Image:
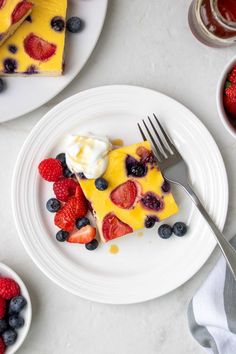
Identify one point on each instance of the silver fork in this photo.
(175, 170)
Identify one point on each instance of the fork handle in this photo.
(225, 247)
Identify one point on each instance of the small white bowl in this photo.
(219, 97)
(7, 272)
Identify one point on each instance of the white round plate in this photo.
(7, 272)
(145, 267)
(25, 94)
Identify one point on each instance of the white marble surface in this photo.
(145, 43)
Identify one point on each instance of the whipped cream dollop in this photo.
(87, 154)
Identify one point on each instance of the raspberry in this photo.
(2, 346)
(64, 189)
(50, 169)
(8, 288)
(2, 308)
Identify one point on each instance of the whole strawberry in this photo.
(50, 169)
(2, 308)
(64, 189)
(8, 288)
(2, 346)
(232, 76)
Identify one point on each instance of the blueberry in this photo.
(10, 65)
(152, 202)
(180, 229)
(2, 86)
(32, 69)
(165, 231)
(91, 246)
(62, 158)
(138, 170)
(12, 48)
(81, 222)
(166, 187)
(9, 337)
(67, 173)
(53, 205)
(16, 321)
(17, 304)
(62, 235)
(74, 24)
(58, 24)
(101, 184)
(81, 175)
(150, 221)
(3, 326)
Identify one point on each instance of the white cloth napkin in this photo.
(212, 311)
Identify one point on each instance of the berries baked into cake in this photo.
(131, 194)
(37, 47)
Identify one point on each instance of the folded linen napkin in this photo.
(212, 311)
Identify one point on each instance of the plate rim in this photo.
(14, 182)
(75, 74)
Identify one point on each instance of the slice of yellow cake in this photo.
(12, 14)
(136, 196)
(37, 47)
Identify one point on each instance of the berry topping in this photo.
(2, 3)
(180, 229)
(12, 48)
(3, 326)
(17, 304)
(91, 246)
(165, 231)
(124, 196)
(21, 9)
(166, 187)
(151, 201)
(135, 168)
(32, 69)
(113, 227)
(64, 188)
(145, 155)
(85, 235)
(62, 158)
(150, 221)
(2, 346)
(58, 24)
(2, 308)
(101, 184)
(9, 65)
(232, 76)
(8, 288)
(62, 235)
(230, 99)
(16, 321)
(39, 49)
(74, 24)
(9, 337)
(50, 170)
(53, 205)
(81, 222)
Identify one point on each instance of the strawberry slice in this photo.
(39, 49)
(65, 218)
(124, 195)
(21, 9)
(85, 235)
(2, 3)
(113, 227)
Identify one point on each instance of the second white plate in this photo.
(145, 267)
